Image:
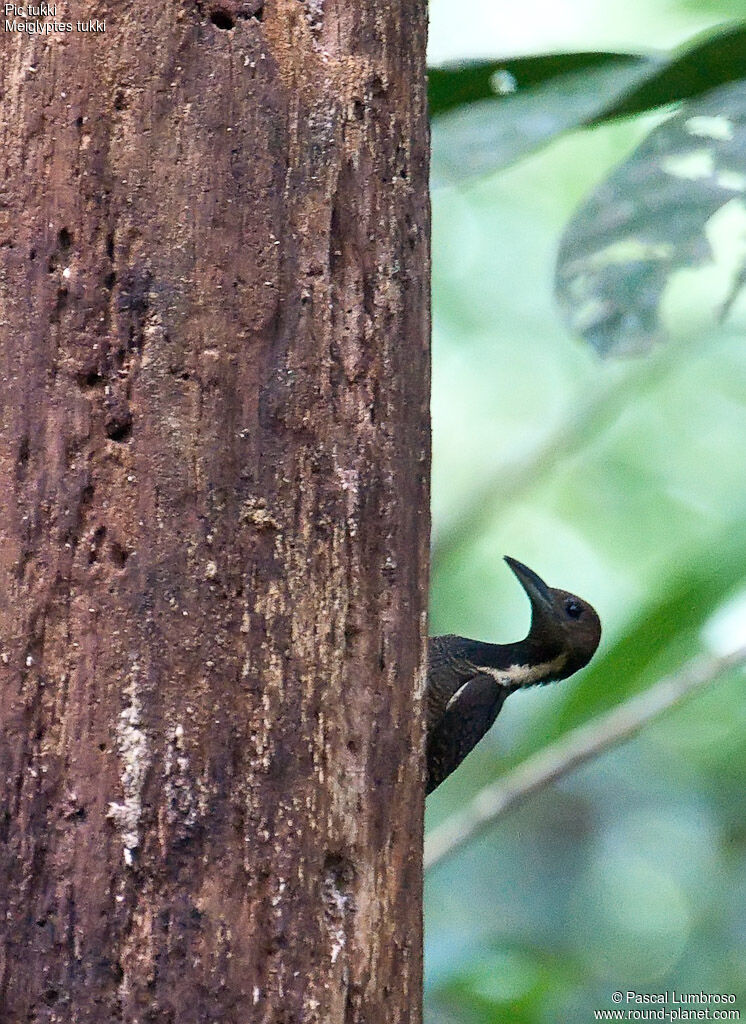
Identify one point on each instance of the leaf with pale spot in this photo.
(652, 217)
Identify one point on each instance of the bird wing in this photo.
(468, 715)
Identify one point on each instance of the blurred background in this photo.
(621, 479)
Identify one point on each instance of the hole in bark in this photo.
(401, 162)
(276, 943)
(79, 120)
(411, 232)
(51, 995)
(350, 1013)
(119, 555)
(59, 305)
(335, 243)
(352, 746)
(369, 296)
(377, 88)
(222, 20)
(338, 871)
(110, 245)
(120, 428)
(120, 100)
(32, 255)
(23, 452)
(358, 110)
(22, 564)
(65, 239)
(89, 379)
(352, 634)
(102, 747)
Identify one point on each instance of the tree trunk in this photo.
(213, 513)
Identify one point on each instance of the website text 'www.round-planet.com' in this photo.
(670, 1005)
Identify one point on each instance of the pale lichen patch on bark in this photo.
(187, 796)
(255, 512)
(134, 751)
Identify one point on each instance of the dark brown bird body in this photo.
(468, 681)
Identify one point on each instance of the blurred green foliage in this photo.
(624, 481)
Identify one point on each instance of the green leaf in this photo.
(454, 85)
(697, 68)
(488, 114)
(653, 217)
(499, 982)
(481, 137)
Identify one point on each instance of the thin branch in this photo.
(576, 747)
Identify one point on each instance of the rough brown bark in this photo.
(213, 513)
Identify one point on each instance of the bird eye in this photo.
(573, 609)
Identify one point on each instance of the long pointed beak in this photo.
(535, 587)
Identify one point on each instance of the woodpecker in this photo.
(468, 681)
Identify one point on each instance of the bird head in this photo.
(561, 623)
